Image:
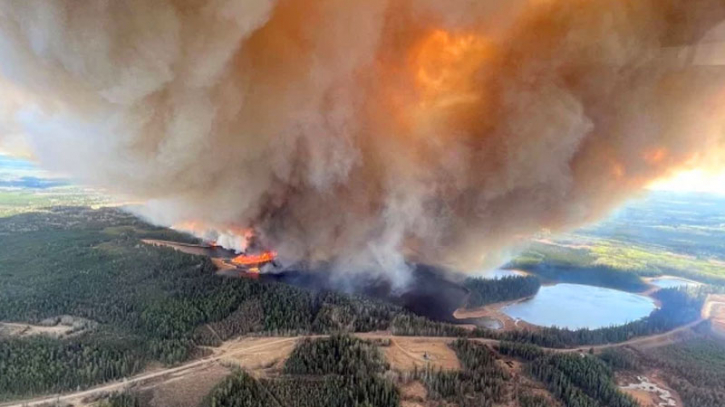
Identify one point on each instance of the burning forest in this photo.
(364, 135)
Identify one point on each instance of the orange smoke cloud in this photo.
(445, 66)
(365, 134)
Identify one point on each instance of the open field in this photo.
(650, 390)
(249, 349)
(407, 353)
(714, 309)
(265, 357)
(187, 390)
(665, 233)
(24, 330)
(260, 353)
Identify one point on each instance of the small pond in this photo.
(577, 306)
(671, 282)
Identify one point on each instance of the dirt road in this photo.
(144, 377)
(652, 340)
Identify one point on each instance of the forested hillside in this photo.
(488, 291)
(340, 371)
(154, 304)
(695, 368)
(151, 303)
(576, 380)
(481, 382)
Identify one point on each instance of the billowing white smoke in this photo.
(362, 133)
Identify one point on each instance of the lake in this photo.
(672, 282)
(577, 306)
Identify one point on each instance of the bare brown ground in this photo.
(265, 353)
(493, 311)
(647, 398)
(644, 398)
(263, 358)
(405, 353)
(25, 330)
(715, 310)
(188, 390)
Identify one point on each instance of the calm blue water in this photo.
(671, 282)
(577, 306)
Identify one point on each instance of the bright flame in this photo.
(254, 259)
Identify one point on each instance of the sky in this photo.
(696, 180)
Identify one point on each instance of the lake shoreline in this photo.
(497, 311)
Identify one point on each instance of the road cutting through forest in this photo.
(238, 349)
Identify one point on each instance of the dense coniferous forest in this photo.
(40, 364)
(695, 368)
(577, 380)
(698, 370)
(562, 271)
(338, 371)
(480, 382)
(156, 304)
(621, 359)
(488, 291)
(534, 400)
(91, 264)
(580, 380)
(524, 351)
(240, 390)
(339, 354)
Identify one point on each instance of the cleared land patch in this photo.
(266, 353)
(405, 353)
(650, 391)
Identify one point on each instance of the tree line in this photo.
(162, 303)
(481, 382)
(679, 307)
(577, 380)
(338, 371)
(484, 291)
(695, 368)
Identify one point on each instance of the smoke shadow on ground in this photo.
(431, 292)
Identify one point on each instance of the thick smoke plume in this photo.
(364, 133)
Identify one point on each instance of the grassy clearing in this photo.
(14, 201)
